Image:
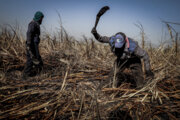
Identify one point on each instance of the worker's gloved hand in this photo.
(93, 31)
(149, 74)
(35, 61)
(29, 50)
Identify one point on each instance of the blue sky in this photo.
(78, 16)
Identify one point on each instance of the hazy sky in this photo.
(78, 16)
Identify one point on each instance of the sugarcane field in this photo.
(47, 75)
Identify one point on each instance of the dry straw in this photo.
(75, 82)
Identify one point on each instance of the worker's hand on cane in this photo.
(93, 31)
(149, 74)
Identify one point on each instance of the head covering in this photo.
(117, 41)
(38, 15)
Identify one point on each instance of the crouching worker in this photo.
(129, 55)
(34, 62)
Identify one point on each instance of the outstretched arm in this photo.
(103, 39)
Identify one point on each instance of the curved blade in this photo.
(102, 11)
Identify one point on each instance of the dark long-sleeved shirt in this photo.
(33, 39)
(139, 52)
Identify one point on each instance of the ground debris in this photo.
(75, 84)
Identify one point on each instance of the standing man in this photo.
(32, 47)
(129, 55)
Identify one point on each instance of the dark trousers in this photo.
(134, 66)
(30, 68)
